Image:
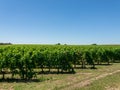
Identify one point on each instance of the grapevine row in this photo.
(24, 60)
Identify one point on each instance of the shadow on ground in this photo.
(19, 80)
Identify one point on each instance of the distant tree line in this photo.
(6, 43)
(60, 44)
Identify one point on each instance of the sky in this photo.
(60, 21)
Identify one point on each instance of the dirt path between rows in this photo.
(89, 81)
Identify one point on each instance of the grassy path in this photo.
(89, 81)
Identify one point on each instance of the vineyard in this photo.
(27, 61)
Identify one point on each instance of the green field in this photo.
(59, 67)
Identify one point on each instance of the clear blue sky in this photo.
(63, 21)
